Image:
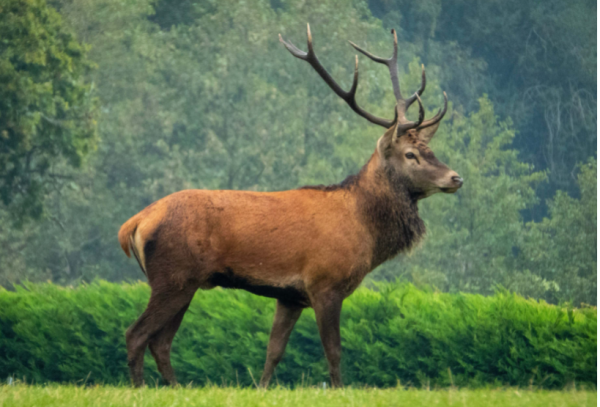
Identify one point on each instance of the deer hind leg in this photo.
(160, 346)
(165, 304)
(285, 319)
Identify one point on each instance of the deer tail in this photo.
(127, 240)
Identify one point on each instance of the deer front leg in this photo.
(328, 307)
(285, 319)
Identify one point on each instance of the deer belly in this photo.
(292, 294)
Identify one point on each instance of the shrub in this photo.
(392, 333)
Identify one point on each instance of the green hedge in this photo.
(397, 333)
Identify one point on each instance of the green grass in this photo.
(56, 395)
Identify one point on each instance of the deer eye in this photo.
(410, 156)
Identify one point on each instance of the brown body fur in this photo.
(307, 239)
(273, 238)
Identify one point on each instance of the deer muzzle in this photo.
(454, 184)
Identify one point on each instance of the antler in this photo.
(402, 104)
(350, 96)
(438, 116)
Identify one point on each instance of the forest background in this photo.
(107, 106)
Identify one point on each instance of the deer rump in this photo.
(273, 244)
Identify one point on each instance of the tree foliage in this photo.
(46, 108)
(202, 95)
(536, 60)
(561, 249)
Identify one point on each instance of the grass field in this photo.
(55, 395)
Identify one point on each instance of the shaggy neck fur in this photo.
(389, 210)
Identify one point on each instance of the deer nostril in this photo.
(457, 180)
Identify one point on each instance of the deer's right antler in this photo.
(349, 97)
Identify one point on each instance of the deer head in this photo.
(403, 149)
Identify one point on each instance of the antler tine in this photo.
(348, 97)
(404, 126)
(411, 99)
(439, 115)
(391, 63)
(293, 49)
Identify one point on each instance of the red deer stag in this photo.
(307, 247)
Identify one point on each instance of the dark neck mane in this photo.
(391, 213)
(386, 207)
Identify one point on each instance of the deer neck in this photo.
(388, 209)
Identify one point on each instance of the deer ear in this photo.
(427, 133)
(384, 145)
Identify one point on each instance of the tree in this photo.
(562, 248)
(47, 111)
(202, 95)
(536, 60)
